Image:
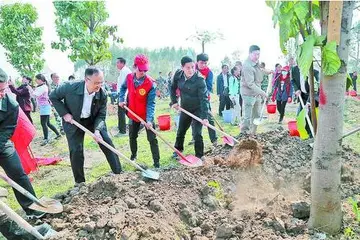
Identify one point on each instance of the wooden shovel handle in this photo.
(20, 189)
(156, 133)
(107, 145)
(216, 121)
(19, 220)
(208, 125)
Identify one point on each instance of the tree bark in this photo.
(325, 214)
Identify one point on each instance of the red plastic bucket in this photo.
(271, 108)
(353, 93)
(164, 122)
(293, 129)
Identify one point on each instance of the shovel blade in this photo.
(150, 174)
(229, 141)
(49, 206)
(191, 161)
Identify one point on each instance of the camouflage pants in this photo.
(58, 119)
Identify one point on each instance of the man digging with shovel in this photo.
(194, 98)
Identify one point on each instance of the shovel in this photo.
(20, 221)
(208, 125)
(226, 140)
(260, 120)
(147, 173)
(47, 205)
(190, 160)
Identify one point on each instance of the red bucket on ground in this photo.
(164, 122)
(353, 93)
(293, 129)
(271, 108)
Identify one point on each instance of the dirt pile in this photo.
(211, 202)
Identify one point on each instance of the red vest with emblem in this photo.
(137, 96)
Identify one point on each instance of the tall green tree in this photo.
(21, 38)
(296, 17)
(82, 30)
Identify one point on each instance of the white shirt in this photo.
(122, 76)
(225, 80)
(40, 90)
(86, 108)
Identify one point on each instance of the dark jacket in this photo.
(193, 92)
(22, 96)
(295, 73)
(220, 89)
(8, 119)
(69, 98)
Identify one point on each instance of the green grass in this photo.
(51, 180)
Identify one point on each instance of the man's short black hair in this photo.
(202, 57)
(276, 65)
(122, 60)
(71, 77)
(186, 60)
(90, 71)
(254, 48)
(224, 65)
(51, 75)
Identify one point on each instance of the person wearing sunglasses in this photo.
(141, 94)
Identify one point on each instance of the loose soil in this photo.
(257, 190)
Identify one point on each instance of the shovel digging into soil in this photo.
(147, 173)
(190, 160)
(226, 140)
(208, 125)
(44, 204)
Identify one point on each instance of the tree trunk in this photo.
(312, 98)
(326, 212)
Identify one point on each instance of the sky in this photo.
(161, 23)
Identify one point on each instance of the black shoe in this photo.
(133, 158)
(156, 165)
(33, 214)
(175, 155)
(44, 142)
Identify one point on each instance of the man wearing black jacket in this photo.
(85, 102)
(194, 98)
(222, 89)
(9, 159)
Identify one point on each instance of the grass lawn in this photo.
(51, 180)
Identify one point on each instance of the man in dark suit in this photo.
(222, 89)
(85, 102)
(9, 159)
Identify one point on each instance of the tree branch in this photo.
(81, 19)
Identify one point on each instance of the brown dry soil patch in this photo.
(237, 198)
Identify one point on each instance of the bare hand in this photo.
(122, 104)
(148, 125)
(205, 122)
(297, 93)
(68, 118)
(97, 137)
(175, 106)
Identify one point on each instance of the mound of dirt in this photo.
(211, 202)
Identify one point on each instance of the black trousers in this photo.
(241, 103)
(184, 123)
(28, 114)
(281, 108)
(134, 128)
(76, 148)
(45, 123)
(121, 120)
(10, 162)
(224, 102)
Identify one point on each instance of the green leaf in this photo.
(305, 55)
(301, 9)
(320, 40)
(284, 30)
(330, 59)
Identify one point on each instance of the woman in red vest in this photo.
(141, 96)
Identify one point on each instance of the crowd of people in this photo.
(242, 88)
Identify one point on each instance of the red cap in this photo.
(142, 62)
(286, 68)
